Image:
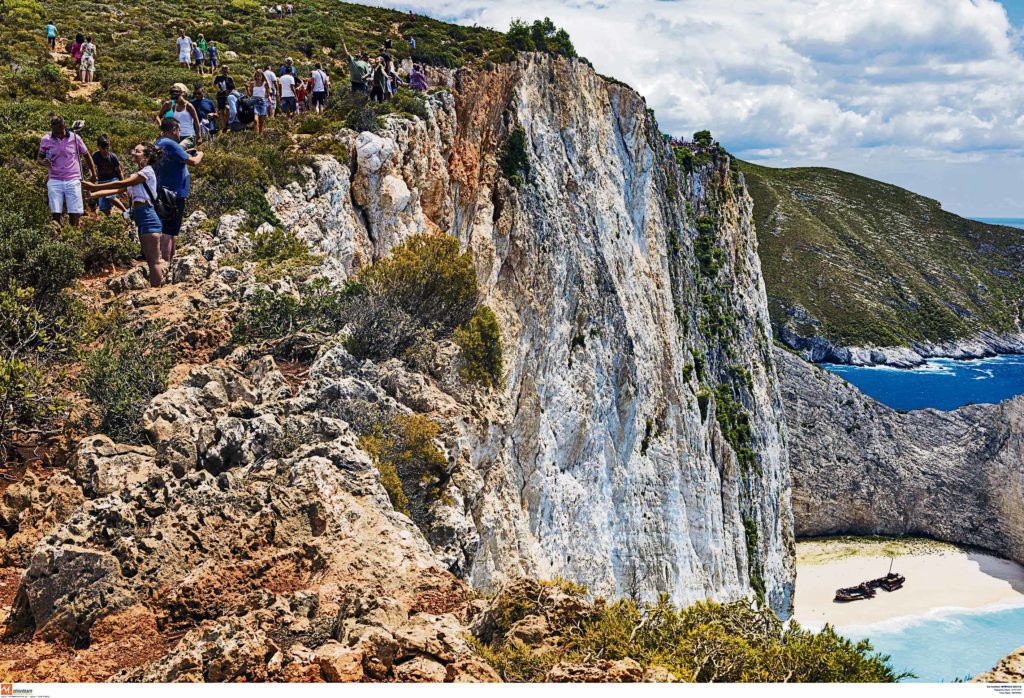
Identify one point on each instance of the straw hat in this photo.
(180, 87)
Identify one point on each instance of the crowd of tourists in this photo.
(154, 197)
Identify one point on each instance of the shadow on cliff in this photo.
(1006, 570)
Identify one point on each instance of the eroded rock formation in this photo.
(635, 446)
(860, 467)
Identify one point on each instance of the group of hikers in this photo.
(156, 193)
(155, 196)
(378, 76)
(82, 50)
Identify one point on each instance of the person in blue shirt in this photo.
(172, 173)
(211, 54)
(204, 110)
(51, 35)
(288, 68)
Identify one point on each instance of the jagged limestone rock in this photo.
(860, 467)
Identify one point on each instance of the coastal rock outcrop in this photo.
(635, 445)
(860, 467)
(623, 347)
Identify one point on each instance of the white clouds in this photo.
(804, 80)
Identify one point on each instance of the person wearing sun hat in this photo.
(178, 107)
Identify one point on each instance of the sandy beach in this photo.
(939, 576)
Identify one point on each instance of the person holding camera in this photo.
(60, 150)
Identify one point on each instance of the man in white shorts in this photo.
(61, 150)
(184, 49)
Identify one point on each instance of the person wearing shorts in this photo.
(320, 83)
(259, 91)
(141, 188)
(272, 84)
(184, 49)
(60, 150)
(288, 103)
(225, 85)
(172, 173)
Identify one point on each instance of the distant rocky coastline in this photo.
(820, 350)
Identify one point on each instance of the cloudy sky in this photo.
(927, 94)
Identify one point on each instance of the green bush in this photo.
(410, 464)
(480, 341)
(513, 160)
(34, 258)
(102, 241)
(706, 642)
(33, 338)
(429, 279)
(541, 36)
(121, 376)
(269, 315)
(278, 245)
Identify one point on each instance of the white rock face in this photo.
(604, 458)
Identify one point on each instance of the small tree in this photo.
(703, 138)
(480, 340)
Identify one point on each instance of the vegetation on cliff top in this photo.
(705, 642)
(871, 263)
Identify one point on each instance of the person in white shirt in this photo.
(321, 83)
(184, 49)
(142, 190)
(288, 103)
(272, 83)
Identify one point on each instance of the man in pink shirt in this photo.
(61, 150)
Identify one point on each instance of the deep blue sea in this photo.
(948, 644)
(944, 384)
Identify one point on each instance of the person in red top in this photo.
(61, 150)
(300, 96)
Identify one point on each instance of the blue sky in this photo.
(927, 94)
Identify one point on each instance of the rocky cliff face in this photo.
(602, 460)
(635, 446)
(860, 467)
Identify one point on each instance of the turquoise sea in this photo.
(943, 384)
(947, 644)
(1012, 222)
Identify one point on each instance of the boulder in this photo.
(103, 467)
(604, 671)
(340, 664)
(420, 670)
(471, 670)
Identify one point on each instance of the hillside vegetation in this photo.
(874, 264)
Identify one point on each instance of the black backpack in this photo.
(165, 202)
(246, 114)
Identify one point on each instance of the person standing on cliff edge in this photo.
(358, 68)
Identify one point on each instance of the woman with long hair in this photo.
(142, 190)
(259, 92)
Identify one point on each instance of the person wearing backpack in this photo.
(172, 174)
(141, 187)
(225, 85)
(240, 111)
